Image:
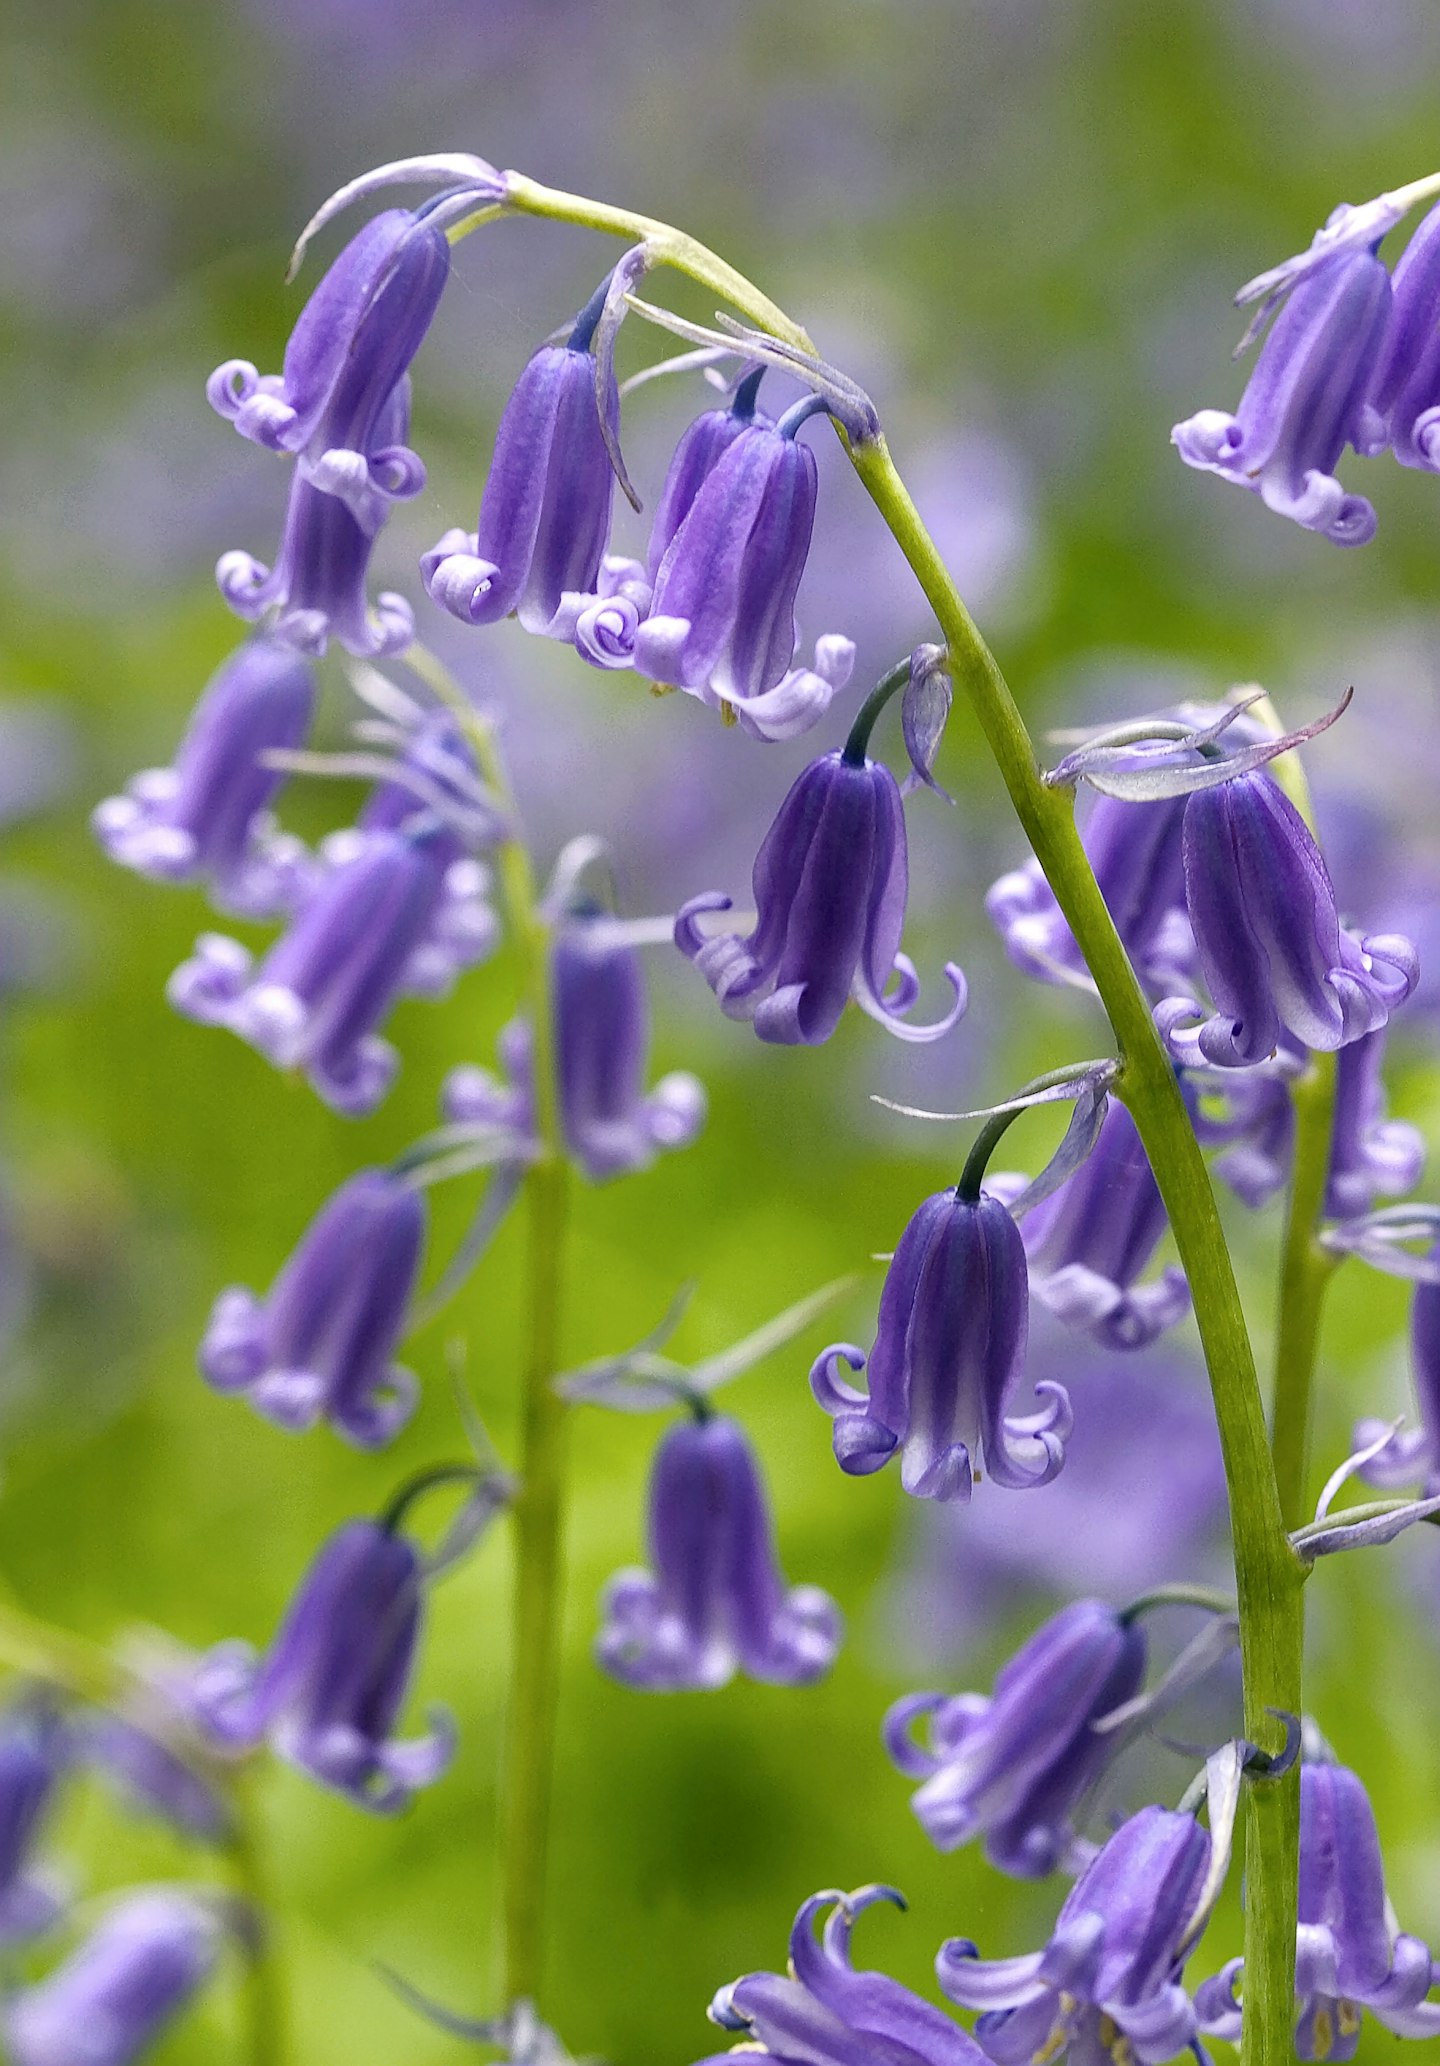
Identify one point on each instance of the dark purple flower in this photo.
(328, 1692)
(1349, 1952)
(1406, 387)
(545, 513)
(35, 1752)
(830, 883)
(1110, 1975)
(1306, 400)
(1371, 1157)
(602, 1037)
(322, 1345)
(207, 817)
(715, 1601)
(400, 916)
(1270, 944)
(1412, 1455)
(824, 2013)
(1014, 1767)
(1090, 1240)
(111, 1999)
(703, 444)
(949, 1352)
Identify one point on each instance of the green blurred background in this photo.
(1020, 224)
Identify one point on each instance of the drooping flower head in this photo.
(1405, 391)
(830, 884)
(36, 1749)
(207, 817)
(322, 1344)
(1371, 1157)
(703, 444)
(112, 1999)
(1091, 1239)
(545, 513)
(824, 2013)
(1306, 400)
(1014, 1767)
(949, 1352)
(328, 1693)
(715, 1601)
(1350, 1953)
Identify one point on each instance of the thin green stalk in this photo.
(538, 1512)
(1305, 1272)
(264, 1993)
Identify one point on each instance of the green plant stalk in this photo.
(263, 2004)
(538, 1513)
(1305, 1272)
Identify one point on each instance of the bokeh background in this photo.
(1020, 224)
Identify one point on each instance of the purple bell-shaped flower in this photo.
(322, 1344)
(1370, 1156)
(114, 1997)
(1014, 1767)
(1306, 400)
(715, 1601)
(1405, 391)
(328, 1693)
(830, 884)
(949, 1352)
(207, 817)
(36, 1749)
(1412, 1455)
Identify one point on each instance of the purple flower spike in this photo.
(1108, 1983)
(322, 1345)
(1412, 1455)
(114, 1997)
(949, 1352)
(1406, 387)
(207, 817)
(830, 883)
(1270, 943)
(328, 1693)
(1306, 400)
(1349, 1953)
(1089, 1241)
(1371, 1157)
(400, 916)
(602, 1036)
(545, 513)
(716, 1602)
(35, 1752)
(1014, 1767)
(824, 2013)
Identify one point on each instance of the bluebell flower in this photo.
(1091, 1239)
(1371, 1156)
(1307, 398)
(545, 513)
(322, 1344)
(1014, 1767)
(328, 1693)
(1412, 1455)
(823, 2013)
(400, 916)
(1350, 1953)
(1270, 944)
(702, 445)
(1405, 390)
(830, 883)
(150, 1775)
(715, 1601)
(1250, 1116)
(36, 1750)
(949, 1352)
(207, 817)
(109, 2002)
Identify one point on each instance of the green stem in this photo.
(527, 1764)
(264, 1993)
(1305, 1272)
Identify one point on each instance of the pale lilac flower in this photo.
(1249, 1114)
(715, 1601)
(1371, 1157)
(152, 1777)
(830, 884)
(322, 1344)
(207, 817)
(1412, 1455)
(328, 1693)
(114, 1997)
(1015, 1766)
(949, 1352)
(36, 1750)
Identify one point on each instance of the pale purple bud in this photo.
(36, 1749)
(114, 1997)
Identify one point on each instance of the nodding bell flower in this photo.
(207, 817)
(1107, 1985)
(1308, 397)
(703, 444)
(322, 1344)
(1349, 1953)
(545, 512)
(1271, 947)
(350, 349)
(110, 2001)
(1248, 1114)
(1406, 387)
(151, 1778)
(830, 883)
(36, 1749)
(1089, 1241)
(949, 1352)
(823, 2013)
(1014, 1767)
(1412, 1455)
(401, 916)
(1370, 1156)
(328, 1692)
(715, 1601)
